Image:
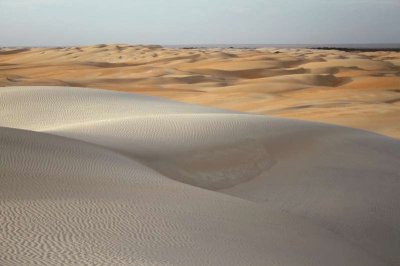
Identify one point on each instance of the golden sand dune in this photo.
(100, 177)
(355, 89)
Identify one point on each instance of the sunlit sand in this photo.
(354, 89)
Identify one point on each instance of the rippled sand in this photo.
(98, 177)
(354, 89)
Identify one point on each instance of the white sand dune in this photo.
(99, 177)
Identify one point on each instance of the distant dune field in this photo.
(97, 177)
(354, 89)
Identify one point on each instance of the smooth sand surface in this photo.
(101, 177)
(354, 89)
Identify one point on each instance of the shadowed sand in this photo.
(102, 177)
(354, 89)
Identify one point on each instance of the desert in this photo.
(146, 155)
(358, 89)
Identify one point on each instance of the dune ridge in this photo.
(101, 177)
(349, 88)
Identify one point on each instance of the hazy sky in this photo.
(76, 22)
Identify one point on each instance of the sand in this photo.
(353, 89)
(99, 177)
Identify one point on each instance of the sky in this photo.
(85, 22)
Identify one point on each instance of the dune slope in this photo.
(93, 176)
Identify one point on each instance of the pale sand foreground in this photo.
(90, 177)
(357, 89)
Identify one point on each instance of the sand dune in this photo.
(354, 89)
(100, 177)
(66, 202)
